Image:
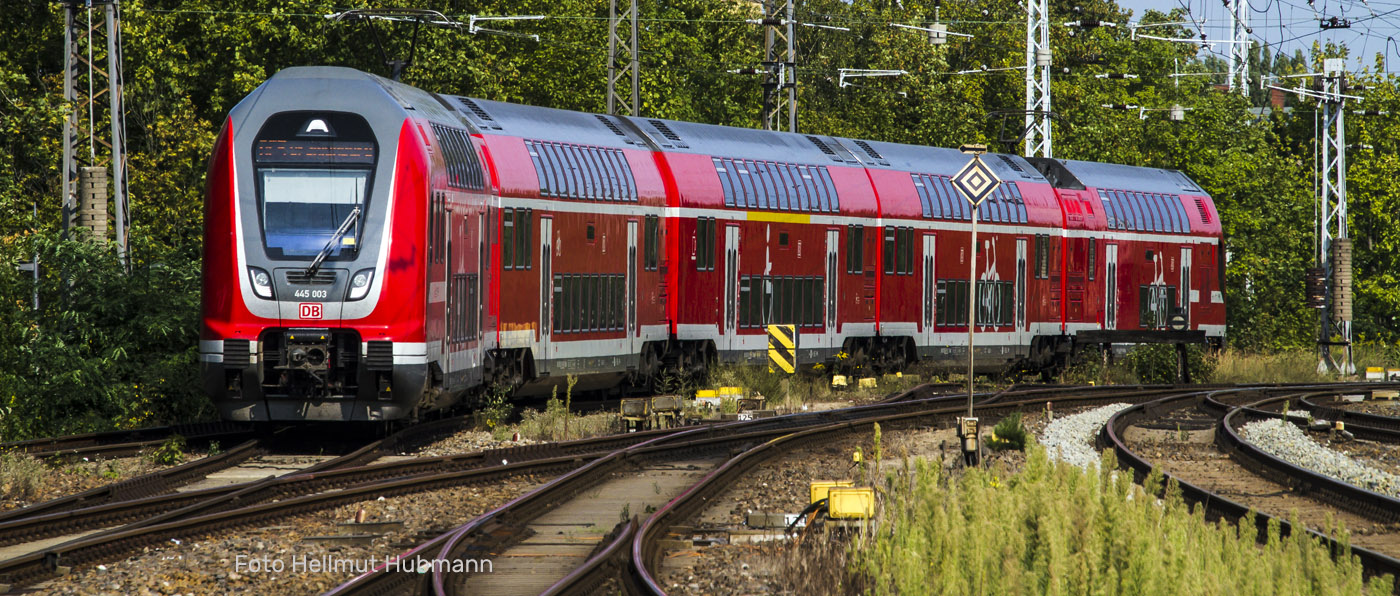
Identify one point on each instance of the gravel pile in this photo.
(1071, 438)
(470, 441)
(1289, 443)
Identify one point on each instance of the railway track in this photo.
(507, 530)
(125, 443)
(1227, 411)
(578, 468)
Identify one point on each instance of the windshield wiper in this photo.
(330, 244)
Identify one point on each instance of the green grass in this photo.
(1055, 529)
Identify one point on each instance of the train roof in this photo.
(1134, 178)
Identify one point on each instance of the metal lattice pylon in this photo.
(1332, 224)
(779, 66)
(84, 84)
(1239, 50)
(623, 50)
(1038, 133)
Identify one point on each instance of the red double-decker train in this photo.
(374, 250)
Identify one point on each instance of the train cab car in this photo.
(327, 266)
(1142, 248)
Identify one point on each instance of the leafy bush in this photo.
(106, 348)
(1009, 433)
(1056, 529)
(169, 453)
(1157, 363)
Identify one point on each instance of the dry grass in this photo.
(1295, 366)
(21, 476)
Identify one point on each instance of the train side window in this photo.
(923, 194)
(770, 183)
(1163, 216)
(587, 172)
(834, 204)
(608, 171)
(905, 259)
(940, 303)
(628, 181)
(1109, 212)
(524, 232)
(789, 186)
(889, 255)
(543, 177)
(591, 233)
(566, 307)
(743, 299)
(613, 173)
(563, 182)
(1154, 218)
(724, 182)
(603, 172)
(587, 186)
(556, 314)
(650, 250)
(1093, 257)
(740, 194)
(1020, 202)
(705, 244)
(855, 247)
(798, 189)
(507, 239)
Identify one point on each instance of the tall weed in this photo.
(1056, 529)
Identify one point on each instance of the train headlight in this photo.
(262, 282)
(359, 284)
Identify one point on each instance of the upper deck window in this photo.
(572, 171)
(776, 185)
(312, 169)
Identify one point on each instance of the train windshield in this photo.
(312, 171)
(303, 209)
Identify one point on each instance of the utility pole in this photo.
(1239, 50)
(779, 71)
(620, 50)
(1334, 243)
(83, 87)
(1038, 132)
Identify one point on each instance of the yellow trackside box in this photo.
(819, 488)
(851, 502)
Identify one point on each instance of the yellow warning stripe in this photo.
(793, 218)
(783, 335)
(782, 348)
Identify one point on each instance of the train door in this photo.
(1185, 293)
(1021, 284)
(631, 283)
(731, 286)
(1110, 281)
(833, 246)
(547, 290)
(930, 279)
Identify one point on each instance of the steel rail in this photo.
(1216, 506)
(1301, 480)
(51, 445)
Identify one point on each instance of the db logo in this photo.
(310, 310)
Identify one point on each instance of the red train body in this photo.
(373, 250)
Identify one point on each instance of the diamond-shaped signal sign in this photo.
(976, 181)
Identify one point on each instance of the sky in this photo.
(1294, 24)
